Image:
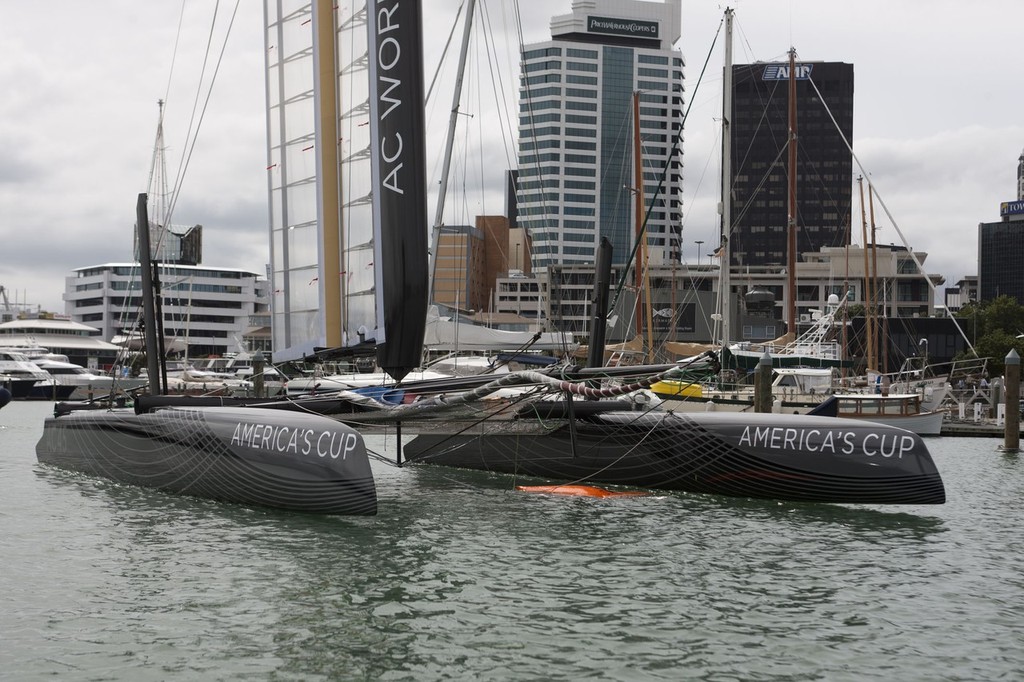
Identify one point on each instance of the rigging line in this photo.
(501, 102)
(192, 117)
(764, 179)
(696, 191)
(206, 103)
(872, 188)
(664, 171)
(174, 52)
(444, 53)
(539, 181)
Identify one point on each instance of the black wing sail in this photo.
(399, 182)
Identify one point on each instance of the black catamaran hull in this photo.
(288, 460)
(813, 459)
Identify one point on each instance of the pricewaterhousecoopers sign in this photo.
(622, 27)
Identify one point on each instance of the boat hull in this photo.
(20, 388)
(291, 461)
(50, 391)
(812, 459)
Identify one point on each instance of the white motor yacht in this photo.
(87, 383)
(17, 365)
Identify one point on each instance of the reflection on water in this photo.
(460, 576)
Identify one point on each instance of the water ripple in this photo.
(460, 577)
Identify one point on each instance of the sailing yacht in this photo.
(573, 424)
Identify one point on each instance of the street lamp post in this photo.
(698, 242)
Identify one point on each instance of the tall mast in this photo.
(869, 320)
(880, 340)
(158, 175)
(791, 221)
(435, 237)
(643, 282)
(327, 159)
(725, 207)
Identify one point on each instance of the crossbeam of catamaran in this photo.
(577, 383)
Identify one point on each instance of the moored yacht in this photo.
(87, 383)
(16, 365)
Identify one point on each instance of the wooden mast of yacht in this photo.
(791, 219)
(869, 333)
(881, 347)
(643, 282)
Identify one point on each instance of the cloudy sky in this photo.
(938, 120)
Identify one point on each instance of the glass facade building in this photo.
(824, 177)
(576, 143)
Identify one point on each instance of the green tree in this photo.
(993, 327)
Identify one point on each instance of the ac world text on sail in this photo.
(389, 55)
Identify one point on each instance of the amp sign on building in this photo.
(780, 72)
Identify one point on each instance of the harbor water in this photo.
(461, 577)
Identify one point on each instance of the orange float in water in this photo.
(577, 491)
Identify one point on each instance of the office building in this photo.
(965, 291)
(210, 310)
(1001, 248)
(760, 130)
(576, 150)
(1000, 254)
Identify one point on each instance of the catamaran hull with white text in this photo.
(293, 461)
(783, 457)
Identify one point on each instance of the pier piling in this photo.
(763, 384)
(1011, 436)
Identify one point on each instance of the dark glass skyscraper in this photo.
(760, 129)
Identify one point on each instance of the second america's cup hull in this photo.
(783, 457)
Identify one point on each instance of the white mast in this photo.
(725, 208)
(443, 190)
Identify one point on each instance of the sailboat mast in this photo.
(151, 332)
(880, 341)
(791, 221)
(327, 159)
(725, 292)
(643, 284)
(869, 333)
(158, 175)
(435, 237)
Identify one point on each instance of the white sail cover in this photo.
(448, 335)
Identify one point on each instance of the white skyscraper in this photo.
(576, 133)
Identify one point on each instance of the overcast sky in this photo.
(938, 120)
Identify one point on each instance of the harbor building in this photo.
(61, 335)
(210, 311)
(760, 130)
(1000, 253)
(576, 142)
(965, 291)
(691, 291)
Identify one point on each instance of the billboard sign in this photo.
(780, 72)
(1011, 208)
(633, 28)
